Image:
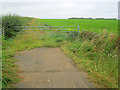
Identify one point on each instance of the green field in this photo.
(85, 24)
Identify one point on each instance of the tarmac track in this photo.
(49, 68)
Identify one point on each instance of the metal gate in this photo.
(51, 29)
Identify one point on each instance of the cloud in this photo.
(59, 0)
(60, 9)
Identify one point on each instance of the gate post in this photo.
(2, 31)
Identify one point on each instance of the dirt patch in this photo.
(49, 68)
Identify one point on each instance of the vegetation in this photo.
(11, 24)
(9, 69)
(85, 24)
(92, 18)
(95, 53)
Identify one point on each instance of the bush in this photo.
(9, 24)
(87, 35)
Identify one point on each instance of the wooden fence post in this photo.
(2, 31)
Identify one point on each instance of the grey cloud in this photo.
(60, 9)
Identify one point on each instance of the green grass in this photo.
(91, 52)
(85, 24)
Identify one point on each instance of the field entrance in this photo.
(50, 30)
(48, 67)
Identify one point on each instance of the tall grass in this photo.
(98, 55)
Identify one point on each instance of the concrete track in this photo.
(49, 68)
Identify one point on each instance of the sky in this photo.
(61, 9)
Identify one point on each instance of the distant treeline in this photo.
(93, 18)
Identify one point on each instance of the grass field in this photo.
(85, 24)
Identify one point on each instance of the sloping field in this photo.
(85, 24)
